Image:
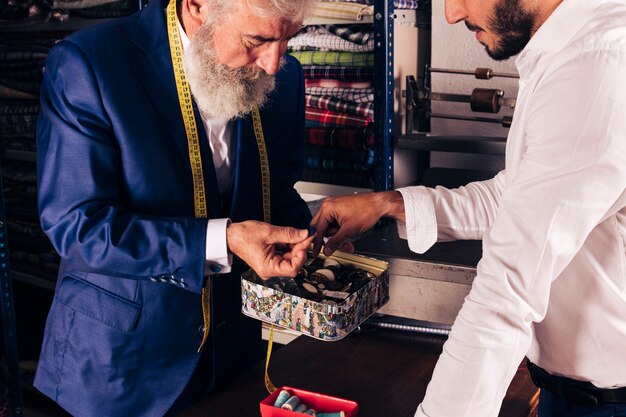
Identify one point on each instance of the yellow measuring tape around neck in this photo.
(195, 159)
(186, 107)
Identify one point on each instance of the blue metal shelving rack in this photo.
(383, 96)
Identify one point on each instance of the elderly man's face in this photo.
(231, 62)
(504, 27)
(246, 40)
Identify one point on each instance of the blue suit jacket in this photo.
(116, 200)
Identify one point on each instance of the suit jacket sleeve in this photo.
(83, 202)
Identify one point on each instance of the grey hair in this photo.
(291, 10)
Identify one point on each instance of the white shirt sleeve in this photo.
(442, 214)
(218, 259)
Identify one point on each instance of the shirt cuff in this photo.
(420, 229)
(218, 260)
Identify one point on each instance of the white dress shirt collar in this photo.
(558, 30)
(184, 39)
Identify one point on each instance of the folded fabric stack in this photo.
(338, 62)
(22, 60)
(354, 9)
(22, 14)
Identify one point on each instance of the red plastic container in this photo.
(319, 402)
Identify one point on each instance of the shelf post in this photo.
(383, 95)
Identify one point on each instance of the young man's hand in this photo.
(345, 216)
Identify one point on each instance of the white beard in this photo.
(222, 92)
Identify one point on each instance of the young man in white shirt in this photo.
(551, 284)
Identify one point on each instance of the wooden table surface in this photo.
(385, 371)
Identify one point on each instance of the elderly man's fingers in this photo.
(282, 235)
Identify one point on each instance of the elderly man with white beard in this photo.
(168, 145)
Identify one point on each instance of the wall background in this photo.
(455, 47)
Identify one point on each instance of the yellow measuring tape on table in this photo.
(195, 160)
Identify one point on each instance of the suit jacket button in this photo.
(153, 279)
(201, 329)
(163, 279)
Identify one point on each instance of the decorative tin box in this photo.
(322, 319)
(319, 402)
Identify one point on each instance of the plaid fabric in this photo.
(318, 38)
(339, 73)
(342, 10)
(342, 106)
(358, 34)
(358, 95)
(329, 118)
(398, 4)
(348, 59)
(320, 82)
(342, 138)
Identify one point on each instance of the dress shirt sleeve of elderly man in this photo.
(568, 176)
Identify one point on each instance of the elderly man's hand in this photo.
(345, 216)
(271, 251)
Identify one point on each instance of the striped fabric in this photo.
(80, 4)
(356, 33)
(406, 4)
(339, 73)
(329, 118)
(322, 40)
(342, 106)
(319, 82)
(398, 4)
(342, 138)
(330, 163)
(348, 59)
(359, 95)
(342, 10)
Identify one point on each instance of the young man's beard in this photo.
(222, 92)
(514, 27)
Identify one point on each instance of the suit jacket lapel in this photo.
(156, 73)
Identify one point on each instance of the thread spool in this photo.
(291, 403)
(283, 396)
